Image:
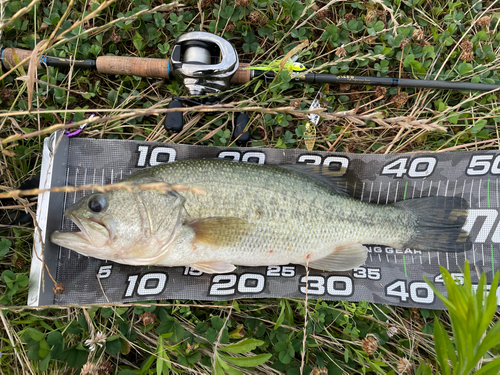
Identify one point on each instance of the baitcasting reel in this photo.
(204, 61)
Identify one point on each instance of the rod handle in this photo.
(241, 76)
(7, 57)
(137, 66)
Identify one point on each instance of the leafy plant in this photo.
(14, 282)
(5, 245)
(471, 308)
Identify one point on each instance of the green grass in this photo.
(414, 38)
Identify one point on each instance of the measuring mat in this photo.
(389, 276)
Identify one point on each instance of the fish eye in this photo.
(97, 203)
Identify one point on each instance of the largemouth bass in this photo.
(253, 215)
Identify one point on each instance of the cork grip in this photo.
(8, 57)
(241, 76)
(137, 66)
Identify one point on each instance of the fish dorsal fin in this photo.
(219, 231)
(336, 179)
(343, 258)
(213, 267)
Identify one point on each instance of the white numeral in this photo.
(429, 293)
(396, 168)
(222, 285)
(333, 289)
(246, 281)
(157, 279)
(397, 289)
(366, 273)
(458, 277)
(418, 167)
(316, 285)
(276, 271)
(153, 158)
(143, 155)
(490, 216)
(188, 271)
(479, 165)
(131, 285)
(260, 156)
(415, 173)
(344, 164)
(104, 272)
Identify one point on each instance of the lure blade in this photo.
(310, 133)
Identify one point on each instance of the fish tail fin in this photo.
(439, 223)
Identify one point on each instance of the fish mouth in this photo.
(92, 234)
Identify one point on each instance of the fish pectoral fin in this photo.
(213, 267)
(343, 258)
(219, 231)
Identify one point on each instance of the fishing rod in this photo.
(208, 64)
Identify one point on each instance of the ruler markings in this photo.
(473, 256)
(492, 261)
(479, 193)
(76, 182)
(64, 206)
(470, 194)
(497, 192)
(84, 183)
(93, 180)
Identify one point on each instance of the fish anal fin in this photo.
(343, 258)
(219, 231)
(213, 267)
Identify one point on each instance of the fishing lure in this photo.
(275, 66)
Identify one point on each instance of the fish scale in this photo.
(254, 215)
